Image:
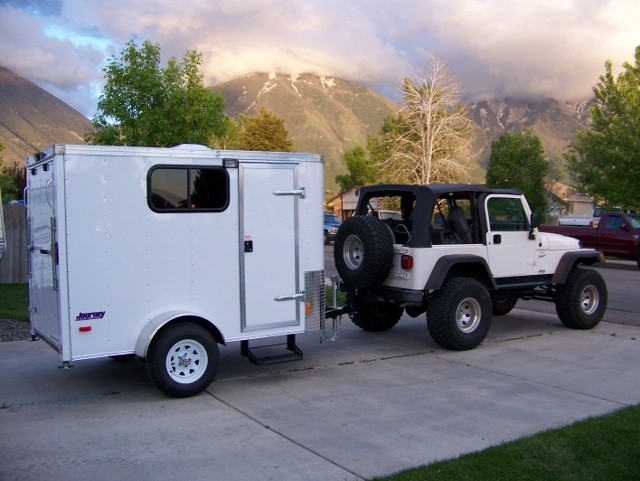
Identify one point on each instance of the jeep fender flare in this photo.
(570, 259)
(445, 264)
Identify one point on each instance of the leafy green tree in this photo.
(518, 161)
(605, 159)
(265, 132)
(11, 180)
(361, 169)
(146, 105)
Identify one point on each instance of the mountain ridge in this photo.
(31, 119)
(327, 115)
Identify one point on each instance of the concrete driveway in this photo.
(365, 405)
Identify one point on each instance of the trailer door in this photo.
(270, 290)
(43, 275)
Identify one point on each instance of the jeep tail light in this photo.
(406, 262)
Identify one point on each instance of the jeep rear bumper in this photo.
(392, 295)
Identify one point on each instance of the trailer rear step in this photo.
(294, 353)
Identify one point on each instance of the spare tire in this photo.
(363, 251)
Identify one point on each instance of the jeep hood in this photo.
(557, 242)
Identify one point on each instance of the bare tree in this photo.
(431, 142)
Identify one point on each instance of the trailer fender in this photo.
(474, 266)
(568, 260)
(154, 325)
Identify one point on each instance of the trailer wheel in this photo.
(376, 317)
(459, 314)
(363, 251)
(503, 303)
(183, 359)
(582, 301)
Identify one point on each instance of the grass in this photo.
(14, 301)
(603, 448)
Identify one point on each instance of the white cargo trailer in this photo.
(165, 253)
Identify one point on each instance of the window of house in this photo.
(188, 189)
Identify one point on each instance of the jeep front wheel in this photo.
(459, 314)
(363, 251)
(582, 301)
(375, 317)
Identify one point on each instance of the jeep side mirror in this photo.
(533, 224)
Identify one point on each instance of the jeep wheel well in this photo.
(459, 265)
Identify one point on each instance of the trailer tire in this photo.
(459, 314)
(363, 251)
(376, 317)
(582, 301)
(182, 359)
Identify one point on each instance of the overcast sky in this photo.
(519, 48)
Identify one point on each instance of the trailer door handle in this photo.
(299, 192)
(291, 297)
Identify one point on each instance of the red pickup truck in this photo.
(617, 234)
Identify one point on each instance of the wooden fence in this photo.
(14, 265)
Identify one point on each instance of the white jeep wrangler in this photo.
(461, 253)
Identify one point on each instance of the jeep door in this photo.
(510, 251)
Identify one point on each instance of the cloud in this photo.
(495, 47)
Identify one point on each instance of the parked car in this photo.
(331, 224)
(617, 234)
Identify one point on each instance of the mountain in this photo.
(329, 115)
(555, 122)
(32, 119)
(322, 114)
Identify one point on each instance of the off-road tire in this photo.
(363, 251)
(182, 359)
(582, 301)
(459, 314)
(503, 303)
(376, 317)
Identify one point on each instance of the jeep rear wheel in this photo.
(363, 251)
(582, 301)
(503, 303)
(376, 317)
(459, 314)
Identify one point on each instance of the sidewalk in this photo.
(365, 405)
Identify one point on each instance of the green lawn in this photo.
(597, 449)
(14, 301)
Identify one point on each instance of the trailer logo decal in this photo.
(89, 316)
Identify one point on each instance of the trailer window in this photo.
(172, 189)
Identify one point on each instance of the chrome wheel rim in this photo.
(353, 252)
(589, 300)
(468, 315)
